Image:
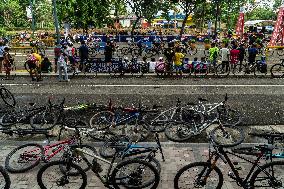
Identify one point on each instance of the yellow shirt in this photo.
(178, 59)
(38, 57)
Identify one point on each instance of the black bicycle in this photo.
(131, 173)
(205, 174)
(7, 97)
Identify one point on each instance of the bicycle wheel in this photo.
(135, 131)
(179, 131)
(199, 175)
(24, 158)
(5, 181)
(277, 71)
(100, 124)
(43, 120)
(268, 176)
(227, 136)
(50, 176)
(230, 116)
(237, 69)
(135, 173)
(108, 149)
(259, 70)
(222, 71)
(7, 97)
(280, 52)
(78, 160)
(8, 119)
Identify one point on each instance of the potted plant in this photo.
(207, 44)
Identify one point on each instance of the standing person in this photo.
(213, 54)
(7, 62)
(252, 52)
(84, 55)
(169, 54)
(225, 53)
(71, 54)
(108, 54)
(1, 54)
(62, 66)
(241, 55)
(234, 56)
(57, 50)
(178, 62)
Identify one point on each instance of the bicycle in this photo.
(205, 174)
(7, 97)
(223, 71)
(108, 149)
(209, 114)
(24, 115)
(271, 138)
(125, 174)
(5, 181)
(258, 68)
(120, 121)
(157, 121)
(29, 155)
(277, 70)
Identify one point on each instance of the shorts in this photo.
(178, 68)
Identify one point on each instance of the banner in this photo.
(29, 12)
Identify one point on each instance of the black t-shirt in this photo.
(169, 54)
(108, 50)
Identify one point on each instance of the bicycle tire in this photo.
(57, 164)
(179, 131)
(201, 184)
(43, 120)
(107, 150)
(223, 132)
(277, 71)
(7, 97)
(153, 161)
(104, 117)
(280, 52)
(78, 160)
(6, 178)
(35, 147)
(152, 183)
(8, 119)
(230, 117)
(268, 167)
(257, 72)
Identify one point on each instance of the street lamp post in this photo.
(56, 21)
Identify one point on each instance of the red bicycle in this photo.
(28, 156)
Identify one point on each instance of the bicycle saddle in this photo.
(202, 99)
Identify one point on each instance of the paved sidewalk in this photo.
(177, 156)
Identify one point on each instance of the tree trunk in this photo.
(183, 25)
(134, 26)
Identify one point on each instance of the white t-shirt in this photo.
(225, 52)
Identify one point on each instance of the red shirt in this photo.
(234, 56)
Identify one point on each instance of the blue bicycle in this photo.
(120, 121)
(126, 148)
(271, 138)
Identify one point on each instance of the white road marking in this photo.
(155, 86)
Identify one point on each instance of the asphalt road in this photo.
(260, 100)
